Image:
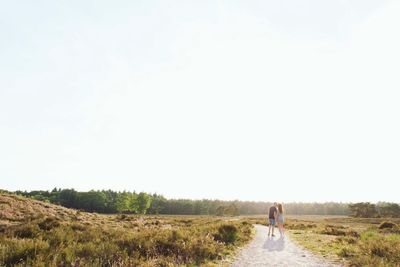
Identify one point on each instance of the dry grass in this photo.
(350, 241)
(347, 241)
(35, 233)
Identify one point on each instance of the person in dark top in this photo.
(273, 213)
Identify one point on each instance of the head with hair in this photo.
(280, 208)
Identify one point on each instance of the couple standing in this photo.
(276, 217)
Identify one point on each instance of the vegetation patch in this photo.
(387, 225)
(329, 230)
(63, 237)
(354, 241)
(227, 233)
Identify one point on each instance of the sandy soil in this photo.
(275, 251)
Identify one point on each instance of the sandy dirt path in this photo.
(275, 251)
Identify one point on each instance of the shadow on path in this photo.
(274, 244)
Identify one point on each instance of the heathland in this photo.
(346, 240)
(39, 233)
(35, 233)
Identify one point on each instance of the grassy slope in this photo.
(41, 234)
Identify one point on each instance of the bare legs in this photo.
(281, 229)
(271, 226)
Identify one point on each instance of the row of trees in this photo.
(108, 201)
(370, 210)
(160, 205)
(105, 201)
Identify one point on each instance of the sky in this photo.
(254, 100)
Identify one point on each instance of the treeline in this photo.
(370, 210)
(104, 201)
(108, 201)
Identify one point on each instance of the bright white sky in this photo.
(255, 100)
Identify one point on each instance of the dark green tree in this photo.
(363, 210)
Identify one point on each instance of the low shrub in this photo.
(346, 252)
(226, 233)
(48, 223)
(332, 231)
(78, 227)
(387, 225)
(347, 239)
(377, 249)
(352, 233)
(335, 226)
(300, 226)
(15, 251)
(108, 241)
(29, 230)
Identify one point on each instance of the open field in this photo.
(36, 233)
(349, 241)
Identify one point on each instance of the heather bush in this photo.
(156, 242)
